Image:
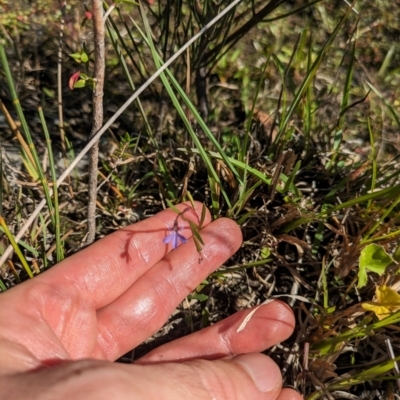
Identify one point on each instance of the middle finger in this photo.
(144, 308)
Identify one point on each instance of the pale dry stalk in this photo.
(99, 55)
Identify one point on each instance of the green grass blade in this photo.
(159, 62)
(243, 198)
(15, 246)
(387, 104)
(116, 38)
(56, 218)
(213, 175)
(347, 87)
(26, 131)
(290, 179)
(374, 175)
(383, 194)
(1, 180)
(311, 73)
(44, 241)
(17, 106)
(251, 170)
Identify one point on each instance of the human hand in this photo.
(59, 332)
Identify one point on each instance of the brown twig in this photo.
(63, 6)
(98, 28)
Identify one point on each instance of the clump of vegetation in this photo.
(282, 116)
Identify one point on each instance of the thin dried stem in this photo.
(98, 28)
(63, 6)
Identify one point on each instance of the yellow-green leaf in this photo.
(373, 258)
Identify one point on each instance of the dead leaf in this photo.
(387, 302)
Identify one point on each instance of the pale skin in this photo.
(60, 332)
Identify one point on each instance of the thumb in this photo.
(249, 376)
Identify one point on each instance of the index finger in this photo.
(106, 269)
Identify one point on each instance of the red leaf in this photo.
(72, 80)
(88, 15)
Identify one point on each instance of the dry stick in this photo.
(96, 137)
(98, 28)
(63, 6)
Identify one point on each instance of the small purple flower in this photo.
(175, 237)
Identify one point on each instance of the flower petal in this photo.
(181, 238)
(175, 242)
(168, 238)
(175, 238)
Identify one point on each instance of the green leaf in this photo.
(265, 252)
(199, 297)
(198, 247)
(190, 197)
(84, 58)
(80, 84)
(171, 206)
(76, 56)
(203, 215)
(80, 57)
(373, 258)
(196, 234)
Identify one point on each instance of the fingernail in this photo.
(263, 371)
